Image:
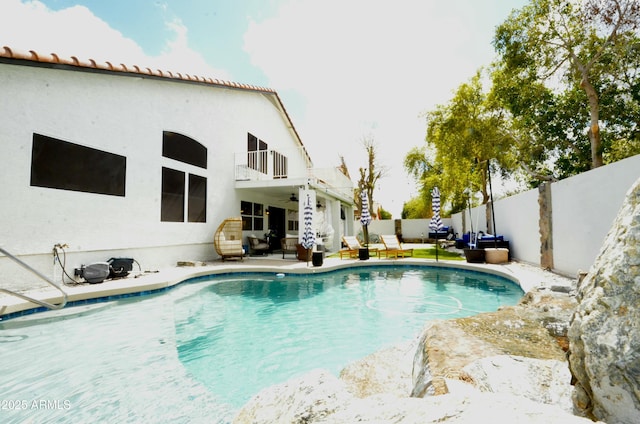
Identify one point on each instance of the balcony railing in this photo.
(266, 165)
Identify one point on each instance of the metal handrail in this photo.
(37, 273)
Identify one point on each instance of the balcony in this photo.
(270, 168)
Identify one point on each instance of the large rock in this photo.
(605, 330)
(305, 399)
(308, 400)
(385, 371)
(543, 381)
(535, 328)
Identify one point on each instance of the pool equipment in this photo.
(119, 267)
(94, 273)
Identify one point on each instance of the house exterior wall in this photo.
(125, 115)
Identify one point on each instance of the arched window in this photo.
(179, 192)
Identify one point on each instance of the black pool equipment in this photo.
(94, 273)
(119, 267)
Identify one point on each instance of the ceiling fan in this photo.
(293, 197)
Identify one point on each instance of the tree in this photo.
(416, 208)
(369, 176)
(465, 135)
(579, 45)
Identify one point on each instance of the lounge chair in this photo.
(393, 248)
(352, 249)
(257, 245)
(228, 239)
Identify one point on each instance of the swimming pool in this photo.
(199, 351)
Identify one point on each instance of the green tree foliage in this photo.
(463, 135)
(384, 214)
(416, 208)
(567, 72)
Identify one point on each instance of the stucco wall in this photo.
(583, 208)
(124, 115)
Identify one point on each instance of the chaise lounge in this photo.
(393, 248)
(352, 249)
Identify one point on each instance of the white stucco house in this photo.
(114, 160)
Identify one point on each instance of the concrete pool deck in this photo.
(528, 276)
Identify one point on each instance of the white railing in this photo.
(23, 264)
(333, 179)
(271, 164)
(265, 165)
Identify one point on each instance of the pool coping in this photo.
(137, 284)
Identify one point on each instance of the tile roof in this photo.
(53, 58)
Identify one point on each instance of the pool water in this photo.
(198, 352)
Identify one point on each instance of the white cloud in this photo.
(76, 31)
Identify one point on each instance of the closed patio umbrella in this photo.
(436, 222)
(308, 237)
(365, 217)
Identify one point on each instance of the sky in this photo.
(346, 70)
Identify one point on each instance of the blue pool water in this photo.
(201, 350)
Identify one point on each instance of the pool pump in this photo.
(94, 273)
(97, 272)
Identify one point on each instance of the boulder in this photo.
(535, 328)
(385, 371)
(543, 381)
(308, 399)
(304, 399)
(604, 333)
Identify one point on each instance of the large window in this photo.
(197, 198)
(257, 153)
(184, 149)
(67, 166)
(181, 190)
(292, 220)
(280, 165)
(252, 216)
(172, 195)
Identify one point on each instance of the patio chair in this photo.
(257, 245)
(393, 248)
(228, 239)
(288, 245)
(352, 249)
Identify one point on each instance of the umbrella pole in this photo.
(493, 212)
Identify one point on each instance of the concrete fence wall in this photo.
(582, 208)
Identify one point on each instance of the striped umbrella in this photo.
(436, 222)
(365, 216)
(308, 237)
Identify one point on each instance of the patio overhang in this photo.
(284, 188)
